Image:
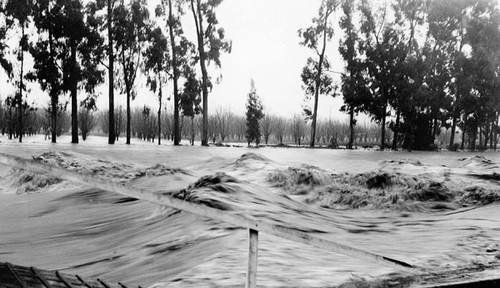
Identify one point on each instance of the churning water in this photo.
(439, 212)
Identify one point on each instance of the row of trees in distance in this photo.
(224, 127)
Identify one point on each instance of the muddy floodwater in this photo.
(439, 212)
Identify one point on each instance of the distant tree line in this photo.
(224, 127)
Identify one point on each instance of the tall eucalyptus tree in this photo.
(211, 42)
(316, 37)
(130, 27)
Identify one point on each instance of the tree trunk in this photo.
(473, 137)
(128, 88)
(395, 139)
(382, 136)
(11, 129)
(128, 117)
(74, 100)
(492, 126)
(434, 127)
(462, 145)
(21, 87)
(159, 112)
(192, 131)
(495, 132)
(480, 138)
(318, 83)
(492, 130)
(453, 131)
(351, 128)
(53, 95)
(176, 74)
(198, 18)
(111, 112)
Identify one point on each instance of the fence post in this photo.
(253, 241)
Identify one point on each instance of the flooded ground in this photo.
(439, 212)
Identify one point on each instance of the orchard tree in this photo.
(224, 118)
(267, 126)
(254, 114)
(279, 128)
(211, 42)
(297, 128)
(316, 38)
(130, 29)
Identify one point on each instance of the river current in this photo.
(439, 212)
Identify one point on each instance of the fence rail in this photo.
(253, 225)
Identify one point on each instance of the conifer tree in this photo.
(254, 114)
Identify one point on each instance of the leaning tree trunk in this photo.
(318, 84)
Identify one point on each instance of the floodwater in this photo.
(439, 212)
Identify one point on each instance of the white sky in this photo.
(265, 48)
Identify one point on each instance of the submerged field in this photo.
(439, 212)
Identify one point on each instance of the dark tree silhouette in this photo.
(254, 114)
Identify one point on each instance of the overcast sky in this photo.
(265, 48)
